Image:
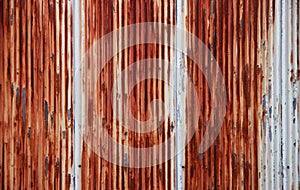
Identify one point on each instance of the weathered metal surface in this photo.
(232, 30)
(241, 36)
(98, 19)
(279, 146)
(256, 44)
(35, 89)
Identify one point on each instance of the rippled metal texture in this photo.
(256, 45)
(36, 94)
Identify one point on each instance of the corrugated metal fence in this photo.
(43, 94)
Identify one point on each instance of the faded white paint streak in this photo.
(181, 84)
(78, 31)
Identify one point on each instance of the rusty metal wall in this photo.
(36, 128)
(233, 31)
(256, 44)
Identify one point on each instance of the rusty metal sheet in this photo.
(45, 97)
(36, 99)
(231, 33)
(242, 38)
(231, 29)
(98, 19)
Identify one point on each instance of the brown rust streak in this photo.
(229, 29)
(2, 124)
(7, 92)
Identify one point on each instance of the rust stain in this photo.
(30, 144)
(96, 172)
(230, 29)
(36, 112)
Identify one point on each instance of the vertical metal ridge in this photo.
(180, 68)
(78, 48)
(295, 85)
